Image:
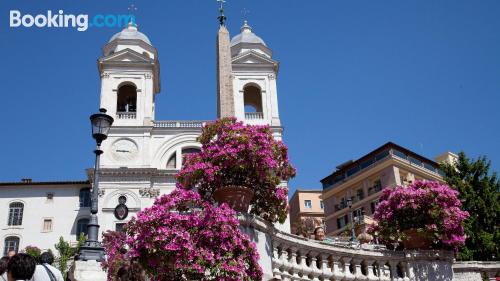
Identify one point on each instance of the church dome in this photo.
(246, 36)
(130, 32)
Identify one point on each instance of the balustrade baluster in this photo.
(394, 272)
(295, 267)
(385, 272)
(358, 273)
(348, 275)
(304, 269)
(277, 263)
(315, 271)
(369, 268)
(326, 271)
(337, 270)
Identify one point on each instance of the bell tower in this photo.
(129, 70)
(254, 80)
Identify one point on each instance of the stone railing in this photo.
(284, 256)
(126, 115)
(476, 270)
(254, 115)
(179, 124)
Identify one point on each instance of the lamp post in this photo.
(92, 249)
(353, 232)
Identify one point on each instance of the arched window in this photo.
(81, 227)
(16, 210)
(252, 98)
(127, 99)
(85, 197)
(172, 161)
(11, 243)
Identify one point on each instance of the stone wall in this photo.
(476, 271)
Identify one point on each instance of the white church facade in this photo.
(142, 154)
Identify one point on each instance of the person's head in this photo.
(46, 257)
(21, 267)
(3, 264)
(319, 233)
(10, 254)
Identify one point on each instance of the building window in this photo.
(342, 222)
(360, 194)
(11, 244)
(81, 227)
(85, 197)
(252, 99)
(47, 225)
(322, 206)
(16, 210)
(127, 99)
(172, 162)
(119, 227)
(50, 196)
(308, 204)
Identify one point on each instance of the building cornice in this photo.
(43, 183)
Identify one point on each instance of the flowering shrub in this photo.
(113, 242)
(183, 236)
(429, 207)
(33, 251)
(234, 154)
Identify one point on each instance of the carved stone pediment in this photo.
(126, 55)
(254, 58)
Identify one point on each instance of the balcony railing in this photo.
(369, 163)
(254, 115)
(374, 189)
(126, 115)
(179, 124)
(340, 206)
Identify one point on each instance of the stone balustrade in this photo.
(179, 124)
(126, 115)
(295, 258)
(254, 115)
(476, 270)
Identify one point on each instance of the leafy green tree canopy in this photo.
(479, 192)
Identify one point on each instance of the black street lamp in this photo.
(353, 231)
(92, 249)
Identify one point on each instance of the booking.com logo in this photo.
(60, 19)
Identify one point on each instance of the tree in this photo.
(479, 192)
(66, 252)
(33, 251)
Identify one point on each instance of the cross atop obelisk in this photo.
(222, 18)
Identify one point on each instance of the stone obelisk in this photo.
(225, 98)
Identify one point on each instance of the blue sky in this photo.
(353, 75)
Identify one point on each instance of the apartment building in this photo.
(362, 181)
(306, 211)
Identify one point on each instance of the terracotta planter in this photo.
(416, 240)
(237, 197)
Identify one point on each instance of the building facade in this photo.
(362, 181)
(38, 213)
(141, 154)
(306, 211)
